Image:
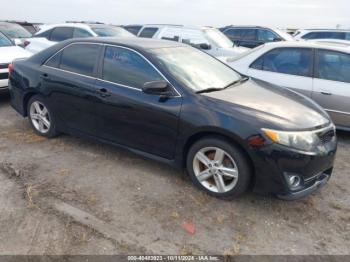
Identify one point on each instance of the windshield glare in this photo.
(4, 41)
(15, 31)
(111, 32)
(195, 69)
(217, 38)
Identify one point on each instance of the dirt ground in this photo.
(72, 196)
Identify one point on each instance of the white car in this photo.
(208, 39)
(312, 34)
(52, 34)
(8, 53)
(318, 70)
(15, 32)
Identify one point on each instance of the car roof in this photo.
(177, 26)
(132, 42)
(310, 44)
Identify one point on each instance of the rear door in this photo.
(332, 84)
(286, 67)
(69, 78)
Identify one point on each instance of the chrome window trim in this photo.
(338, 112)
(117, 84)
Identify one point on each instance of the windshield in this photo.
(111, 32)
(14, 31)
(217, 38)
(195, 69)
(4, 41)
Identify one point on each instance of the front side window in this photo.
(293, 61)
(76, 58)
(80, 33)
(125, 67)
(234, 34)
(149, 32)
(325, 35)
(194, 69)
(46, 34)
(14, 31)
(332, 65)
(267, 36)
(248, 34)
(61, 33)
(133, 29)
(4, 41)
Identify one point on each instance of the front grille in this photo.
(4, 66)
(4, 76)
(327, 136)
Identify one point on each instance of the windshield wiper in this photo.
(208, 90)
(241, 80)
(213, 89)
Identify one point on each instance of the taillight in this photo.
(10, 68)
(26, 43)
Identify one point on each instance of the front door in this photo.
(126, 115)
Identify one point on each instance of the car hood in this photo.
(272, 105)
(9, 53)
(228, 54)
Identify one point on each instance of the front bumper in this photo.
(274, 163)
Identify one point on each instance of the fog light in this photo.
(294, 181)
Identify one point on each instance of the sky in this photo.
(273, 13)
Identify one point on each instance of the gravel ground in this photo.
(73, 196)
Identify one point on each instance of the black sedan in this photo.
(173, 103)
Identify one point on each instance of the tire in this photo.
(228, 179)
(37, 119)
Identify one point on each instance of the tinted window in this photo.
(80, 33)
(248, 34)
(325, 35)
(333, 65)
(133, 29)
(111, 31)
(233, 33)
(293, 61)
(55, 61)
(347, 36)
(267, 35)
(126, 67)
(61, 33)
(45, 34)
(80, 58)
(149, 32)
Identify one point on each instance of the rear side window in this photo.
(125, 67)
(332, 65)
(77, 58)
(293, 61)
(61, 33)
(81, 33)
(248, 34)
(149, 32)
(325, 35)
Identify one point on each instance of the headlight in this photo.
(305, 140)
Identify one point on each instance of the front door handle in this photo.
(45, 76)
(327, 93)
(104, 92)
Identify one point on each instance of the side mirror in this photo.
(205, 46)
(155, 87)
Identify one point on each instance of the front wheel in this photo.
(40, 117)
(218, 167)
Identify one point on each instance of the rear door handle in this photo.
(104, 92)
(327, 93)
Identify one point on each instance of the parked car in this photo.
(311, 34)
(253, 36)
(15, 32)
(52, 34)
(319, 71)
(208, 39)
(8, 52)
(30, 27)
(176, 104)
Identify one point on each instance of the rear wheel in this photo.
(218, 167)
(40, 117)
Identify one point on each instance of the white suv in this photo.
(312, 34)
(208, 39)
(52, 34)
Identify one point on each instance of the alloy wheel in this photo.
(40, 117)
